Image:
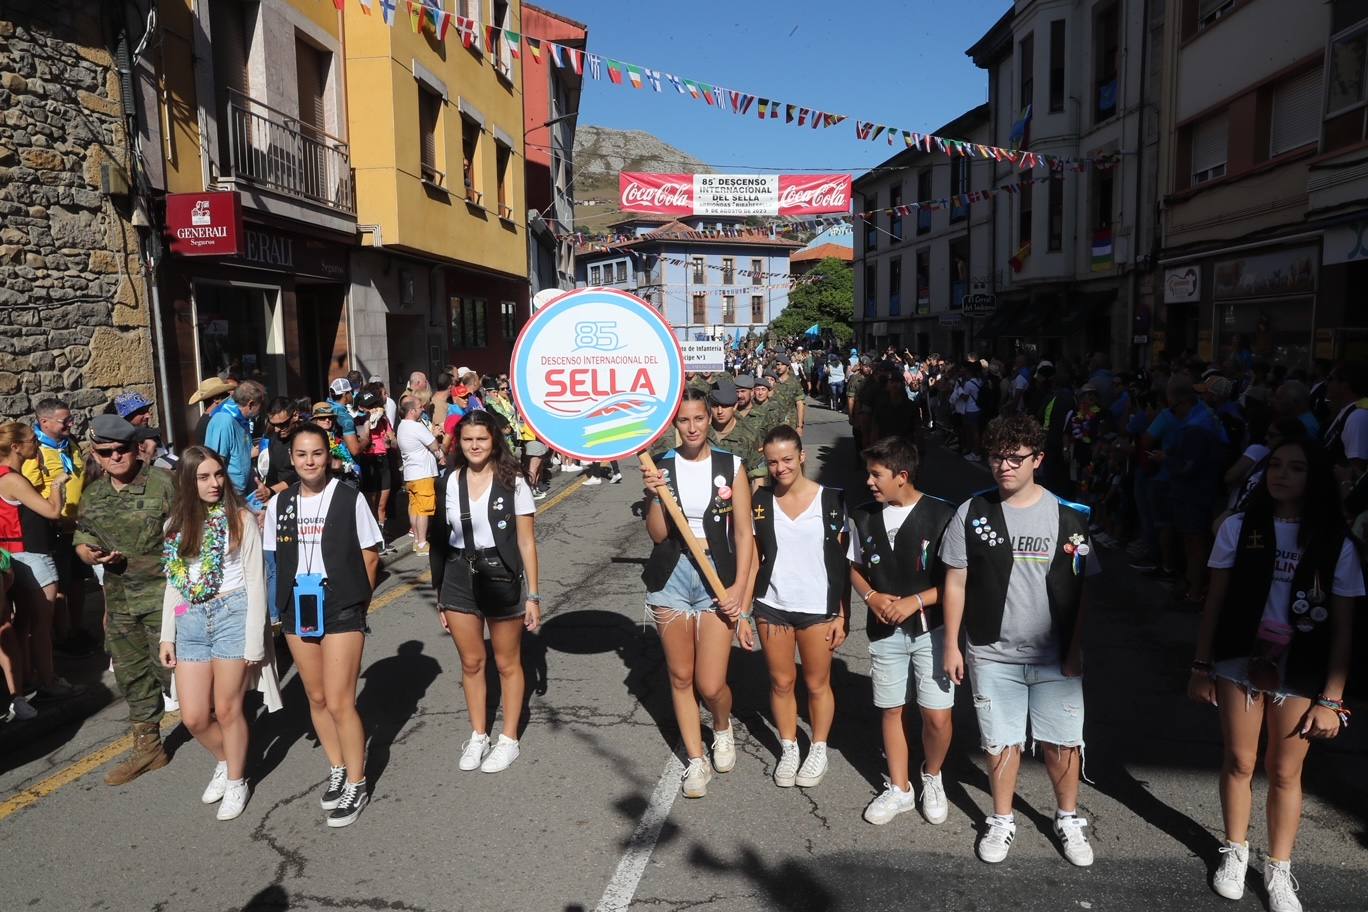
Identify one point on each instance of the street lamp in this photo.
(556, 120)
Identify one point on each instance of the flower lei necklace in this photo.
(212, 549)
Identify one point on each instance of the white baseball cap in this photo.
(340, 387)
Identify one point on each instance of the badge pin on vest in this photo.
(503, 524)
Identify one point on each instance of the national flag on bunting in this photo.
(514, 43)
(762, 108)
(387, 11)
(576, 60)
(1102, 259)
(365, 6)
(491, 39)
(340, 4)
(831, 120)
(614, 71)
(443, 24)
(875, 134)
(693, 89)
(415, 14)
(802, 116)
(679, 86)
(533, 48)
(719, 95)
(634, 75)
(595, 65)
(816, 119)
(746, 102)
(788, 113)
(554, 50)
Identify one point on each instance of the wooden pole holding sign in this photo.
(676, 515)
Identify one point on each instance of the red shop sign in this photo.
(205, 224)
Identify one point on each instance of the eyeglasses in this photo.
(122, 449)
(1011, 460)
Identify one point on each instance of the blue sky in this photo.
(897, 63)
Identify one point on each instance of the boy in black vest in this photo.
(894, 566)
(1015, 561)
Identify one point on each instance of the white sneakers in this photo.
(501, 757)
(890, 804)
(786, 772)
(474, 751)
(1281, 886)
(997, 839)
(697, 775)
(479, 753)
(724, 749)
(934, 806)
(1069, 829)
(217, 785)
(814, 767)
(593, 480)
(1230, 876)
(231, 793)
(20, 708)
(234, 799)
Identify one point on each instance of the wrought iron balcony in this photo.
(278, 152)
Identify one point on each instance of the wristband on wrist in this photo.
(868, 595)
(534, 597)
(921, 606)
(1200, 665)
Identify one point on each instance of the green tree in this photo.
(828, 301)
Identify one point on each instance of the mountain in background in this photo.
(600, 153)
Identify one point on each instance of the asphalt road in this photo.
(587, 817)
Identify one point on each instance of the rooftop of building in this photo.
(822, 252)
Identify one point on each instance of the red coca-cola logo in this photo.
(664, 195)
(830, 193)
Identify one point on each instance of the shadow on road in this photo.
(395, 685)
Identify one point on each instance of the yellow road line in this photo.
(92, 761)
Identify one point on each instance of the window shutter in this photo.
(1209, 143)
(428, 129)
(1207, 7)
(1296, 113)
(311, 73)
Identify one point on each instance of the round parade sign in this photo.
(597, 374)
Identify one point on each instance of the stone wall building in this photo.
(74, 300)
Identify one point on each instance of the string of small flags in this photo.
(427, 16)
(739, 292)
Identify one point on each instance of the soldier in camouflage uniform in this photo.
(765, 414)
(120, 527)
(745, 398)
(736, 437)
(789, 393)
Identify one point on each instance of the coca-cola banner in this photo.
(734, 194)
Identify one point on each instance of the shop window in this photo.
(959, 188)
(757, 271)
(895, 287)
(923, 196)
(1026, 69)
(1294, 120)
(729, 309)
(1208, 148)
(895, 199)
(871, 285)
(236, 333)
(728, 270)
(508, 315)
(470, 159)
(468, 322)
(1058, 58)
(1056, 239)
(502, 156)
(924, 281)
(429, 128)
(699, 273)
(1106, 57)
(757, 309)
(700, 308)
(621, 272)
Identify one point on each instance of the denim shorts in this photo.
(216, 629)
(684, 592)
(1005, 695)
(33, 571)
(891, 657)
(1236, 671)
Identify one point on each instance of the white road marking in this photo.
(617, 896)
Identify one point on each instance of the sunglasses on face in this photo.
(283, 424)
(1011, 460)
(122, 449)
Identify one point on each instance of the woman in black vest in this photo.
(802, 598)
(327, 553)
(483, 545)
(1274, 648)
(695, 627)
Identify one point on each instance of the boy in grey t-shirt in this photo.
(1021, 674)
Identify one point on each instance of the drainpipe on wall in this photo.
(1139, 191)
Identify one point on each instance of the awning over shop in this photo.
(1022, 317)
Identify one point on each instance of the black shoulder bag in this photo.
(491, 580)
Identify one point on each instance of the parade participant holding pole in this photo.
(696, 601)
(1274, 650)
(802, 598)
(896, 569)
(214, 619)
(484, 545)
(327, 548)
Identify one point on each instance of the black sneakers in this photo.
(354, 798)
(337, 777)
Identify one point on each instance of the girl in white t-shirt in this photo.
(1273, 650)
(214, 630)
(696, 624)
(484, 546)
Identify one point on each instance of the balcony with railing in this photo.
(273, 150)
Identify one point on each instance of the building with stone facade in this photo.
(75, 303)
